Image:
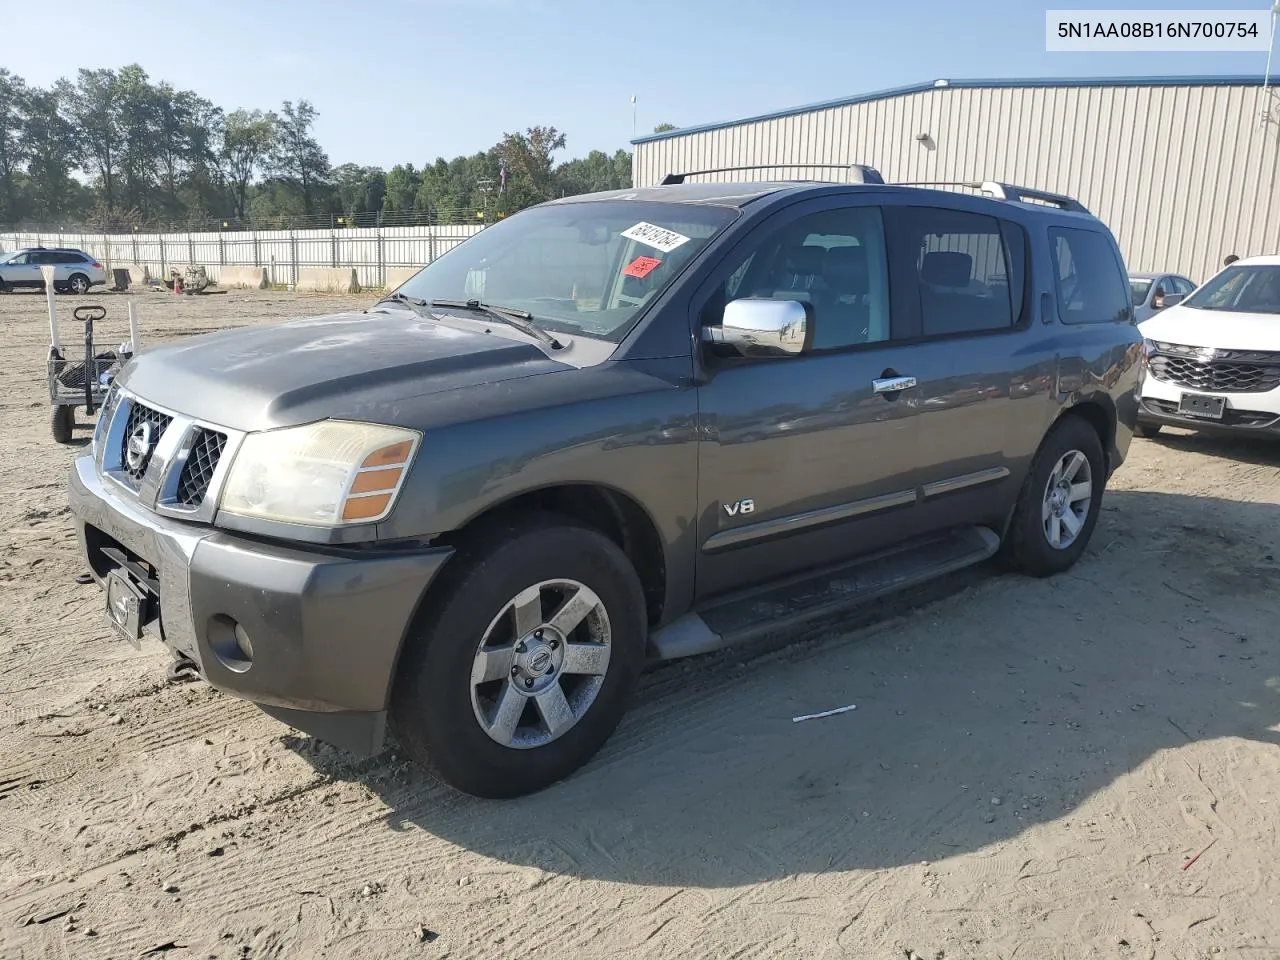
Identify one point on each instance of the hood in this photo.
(1213, 328)
(254, 378)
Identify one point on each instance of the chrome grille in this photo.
(140, 413)
(182, 475)
(1221, 371)
(197, 472)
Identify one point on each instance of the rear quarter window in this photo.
(1091, 286)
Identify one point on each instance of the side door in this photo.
(801, 461)
(22, 272)
(983, 368)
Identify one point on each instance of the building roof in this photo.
(1166, 81)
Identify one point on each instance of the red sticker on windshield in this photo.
(641, 267)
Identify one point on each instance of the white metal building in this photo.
(1182, 169)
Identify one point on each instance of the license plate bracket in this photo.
(124, 607)
(1202, 406)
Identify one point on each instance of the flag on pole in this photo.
(502, 177)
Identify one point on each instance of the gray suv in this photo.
(610, 429)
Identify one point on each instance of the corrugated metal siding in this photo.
(1183, 175)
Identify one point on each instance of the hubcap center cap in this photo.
(538, 658)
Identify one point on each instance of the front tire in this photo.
(1060, 500)
(524, 662)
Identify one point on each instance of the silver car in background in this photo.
(74, 270)
(1152, 292)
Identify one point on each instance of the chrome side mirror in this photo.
(763, 327)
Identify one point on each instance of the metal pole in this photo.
(133, 325)
(54, 340)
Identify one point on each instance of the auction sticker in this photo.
(641, 267)
(660, 238)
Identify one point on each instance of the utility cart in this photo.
(84, 381)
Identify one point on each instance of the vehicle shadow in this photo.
(1260, 451)
(1002, 705)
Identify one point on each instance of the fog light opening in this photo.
(230, 643)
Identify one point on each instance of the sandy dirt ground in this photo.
(1031, 768)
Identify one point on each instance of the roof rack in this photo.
(1007, 191)
(860, 172)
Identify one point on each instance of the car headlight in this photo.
(328, 474)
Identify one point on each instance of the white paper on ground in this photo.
(825, 713)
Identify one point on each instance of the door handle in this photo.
(892, 384)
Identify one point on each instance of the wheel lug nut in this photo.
(538, 634)
(554, 644)
(515, 671)
(520, 647)
(528, 681)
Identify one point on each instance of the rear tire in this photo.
(1053, 501)
(1147, 430)
(77, 284)
(480, 653)
(63, 423)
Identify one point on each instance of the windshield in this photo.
(1139, 288)
(1252, 289)
(585, 268)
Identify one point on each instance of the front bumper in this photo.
(1244, 413)
(325, 628)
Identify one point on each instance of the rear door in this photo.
(50, 258)
(982, 370)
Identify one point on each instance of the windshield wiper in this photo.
(522, 320)
(415, 304)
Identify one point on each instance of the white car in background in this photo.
(1212, 362)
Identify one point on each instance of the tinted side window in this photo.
(70, 258)
(46, 259)
(833, 260)
(1183, 286)
(961, 268)
(1091, 286)
(21, 260)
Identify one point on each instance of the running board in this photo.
(749, 615)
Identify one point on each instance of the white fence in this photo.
(369, 250)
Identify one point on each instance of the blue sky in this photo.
(409, 80)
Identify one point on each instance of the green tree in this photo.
(139, 107)
(530, 173)
(13, 146)
(247, 141)
(94, 111)
(51, 149)
(297, 157)
(400, 189)
(358, 189)
(665, 128)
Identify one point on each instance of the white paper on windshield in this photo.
(660, 238)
